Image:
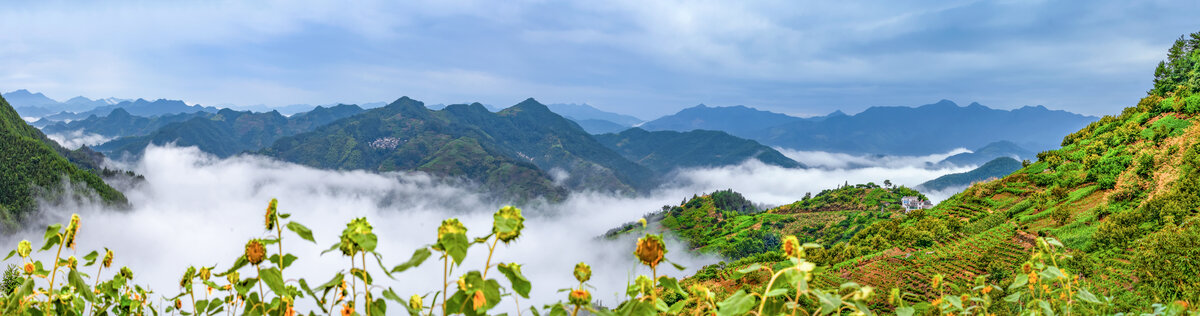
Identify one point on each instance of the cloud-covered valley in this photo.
(195, 209)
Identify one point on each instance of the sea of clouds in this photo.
(75, 139)
(196, 209)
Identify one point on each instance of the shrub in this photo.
(1192, 104)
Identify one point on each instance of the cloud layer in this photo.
(195, 209)
(75, 139)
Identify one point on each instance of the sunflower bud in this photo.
(108, 258)
(126, 273)
(462, 284)
(645, 285)
(583, 272)
(451, 226)
(702, 292)
(508, 223)
(72, 262)
(792, 248)
(580, 297)
(864, 293)
(643, 222)
(29, 268)
(233, 277)
(255, 252)
(188, 276)
(272, 218)
(205, 273)
(72, 230)
(650, 250)
(356, 229)
(24, 248)
(415, 303)
(807, 266)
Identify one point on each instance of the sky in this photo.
(647, 58)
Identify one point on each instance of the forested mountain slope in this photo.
(32, 166)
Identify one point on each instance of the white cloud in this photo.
(75, 139)
(195, 209)
(777, 186)
(831, 160)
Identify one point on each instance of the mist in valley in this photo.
(196, 209)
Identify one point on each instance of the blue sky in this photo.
(642, 57)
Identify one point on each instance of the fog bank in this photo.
(196, 209)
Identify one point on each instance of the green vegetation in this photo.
(33, 167)
(1114, 211)
(664, 151)
(791, 285)
(725, 222)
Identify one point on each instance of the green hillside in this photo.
(996, 168)
(33, 166)
(513, 151)
(725, 222)
(1122, 195)
(664, 151)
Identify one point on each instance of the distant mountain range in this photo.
(224, 133)
(593, 120)
(118, 123)
(923, 130)
(524, 151)
(139, 107)
(997, 168)
(737, 120)
(29, 104)
(665, 151)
